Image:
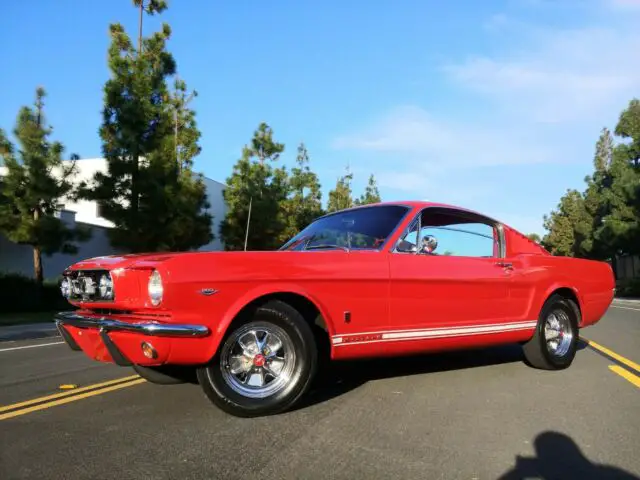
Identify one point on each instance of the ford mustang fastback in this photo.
(387, 279)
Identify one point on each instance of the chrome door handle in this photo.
(505, 264)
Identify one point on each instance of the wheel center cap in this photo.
(258, 360)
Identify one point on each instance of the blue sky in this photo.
(490, 105)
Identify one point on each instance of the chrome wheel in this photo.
(558, 333)
(257, 361)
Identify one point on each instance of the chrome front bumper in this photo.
(147, 328)
(104, 325)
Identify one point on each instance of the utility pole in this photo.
(246, 235)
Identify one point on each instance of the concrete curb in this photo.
(630, 301)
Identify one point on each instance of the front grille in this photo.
(84, 285)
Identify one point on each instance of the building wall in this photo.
(19, 258)
(16, 258)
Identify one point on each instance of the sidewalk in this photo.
(630, 300)
(28, 331)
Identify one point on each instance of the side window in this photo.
(461, 240)
(450, 234)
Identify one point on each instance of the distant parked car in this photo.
(368, 281)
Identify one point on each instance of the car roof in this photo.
(419, 204)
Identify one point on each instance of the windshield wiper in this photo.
(327, 245)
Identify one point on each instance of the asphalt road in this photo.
(471, 415)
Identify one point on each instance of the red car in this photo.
(378, 280)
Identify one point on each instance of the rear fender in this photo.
(540, 301)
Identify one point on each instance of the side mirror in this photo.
(429, 243)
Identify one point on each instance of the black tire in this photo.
(537, 352)
(166, 374)
(284, 321)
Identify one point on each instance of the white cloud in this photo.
(413, 133)
(565, 75)
(624, 3)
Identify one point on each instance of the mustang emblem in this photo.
(208, 291)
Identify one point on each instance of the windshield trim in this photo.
(408, 209)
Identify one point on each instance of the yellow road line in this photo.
(70, 399)
(65, 394)
(626, 374)
(614, 355)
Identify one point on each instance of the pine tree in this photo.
(340, 197)
(623, 224)
(595, 197)
(371, 193)
(149, 139)
(36, 183)
(254, 195)
(187, 224)
(566, 226)
(304, 202)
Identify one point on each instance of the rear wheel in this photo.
(264, 364)
(555, 342)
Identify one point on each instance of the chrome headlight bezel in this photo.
(155, 288)
(65, 287)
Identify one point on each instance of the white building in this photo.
(19, 258)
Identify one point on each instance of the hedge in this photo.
(22, 294)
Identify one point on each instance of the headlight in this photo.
(65, 287)
(155, 288)
(106, 287)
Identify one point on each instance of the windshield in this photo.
(360, 228)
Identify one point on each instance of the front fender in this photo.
(253, 295)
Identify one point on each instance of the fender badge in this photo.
(208, 291)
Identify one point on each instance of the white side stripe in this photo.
(431, 333)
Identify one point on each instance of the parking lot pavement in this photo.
(478, 414)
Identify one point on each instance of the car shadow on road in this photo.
(557, 456)
(339, 378)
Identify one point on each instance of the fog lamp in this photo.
(148, 350)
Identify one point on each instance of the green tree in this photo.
(621, 227)
(566, 226)
(597, 198)
(36, 183)
(341, 196)
(371, 193)
(534, 237)
(254, 194)
(304, 202)
(149, 138)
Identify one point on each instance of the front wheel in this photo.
(264, 364)
(555, 342)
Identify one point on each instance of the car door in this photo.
(463, 283)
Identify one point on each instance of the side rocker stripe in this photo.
(419, 334)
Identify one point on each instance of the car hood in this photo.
(133, 260)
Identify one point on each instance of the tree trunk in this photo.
(135, 196)
(37, 256)
(37, 265)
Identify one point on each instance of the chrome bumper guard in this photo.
(106, 325)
